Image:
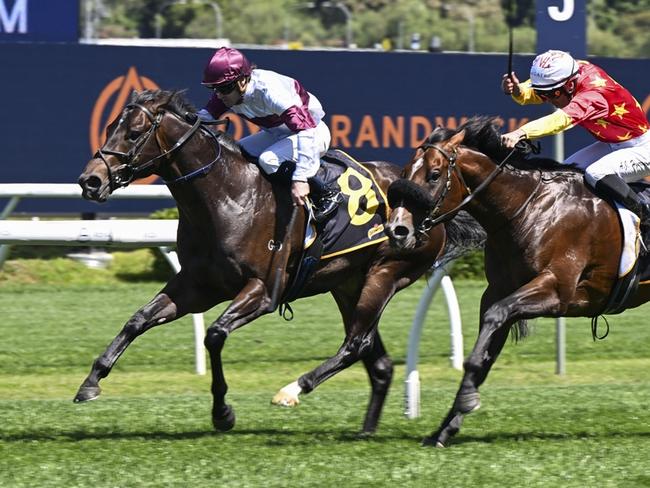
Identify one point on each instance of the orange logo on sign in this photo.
(118, 92)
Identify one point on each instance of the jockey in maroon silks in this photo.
(584, 94)
(293, 135)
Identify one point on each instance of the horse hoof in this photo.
(87, 393)
(468, 402)
(365, 434)
(283, 399)
(225, 421)
(432, 441)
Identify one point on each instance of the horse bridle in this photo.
(128, 171)
(430, 218)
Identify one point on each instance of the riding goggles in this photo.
(548, 94)
(224, 89)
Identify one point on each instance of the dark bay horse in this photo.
(552, 248)
(232, 246)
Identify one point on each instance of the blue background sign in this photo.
(561, 24)
(39, 20)
(58, 99)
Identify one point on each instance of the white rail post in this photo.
(412, 385)
(16, 191)
(456, 335)
(5, 248)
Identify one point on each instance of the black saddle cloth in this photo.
(359, 219)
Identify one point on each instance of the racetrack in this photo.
(151, 426)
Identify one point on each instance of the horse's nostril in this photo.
(92, 183)
(400, 231)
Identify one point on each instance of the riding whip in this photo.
(510, 21)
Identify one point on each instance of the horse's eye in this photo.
(134, 134)
(433, 176)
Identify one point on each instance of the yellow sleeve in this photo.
(527, 95)
(547, 125)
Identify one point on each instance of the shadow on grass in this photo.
(282, 437)
(278, 436)
(543, 436)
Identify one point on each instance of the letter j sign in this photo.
(561, 24)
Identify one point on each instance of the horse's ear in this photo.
(171, 95)
(134, 95)
(457, 139)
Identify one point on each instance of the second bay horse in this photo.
(552, 249)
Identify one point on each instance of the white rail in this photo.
(107, 233)
(70, 190)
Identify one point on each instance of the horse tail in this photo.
(519, 330)
(464, 235)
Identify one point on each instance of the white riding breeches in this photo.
(629, 159)
(304, 148)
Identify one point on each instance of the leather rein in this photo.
(129, 169)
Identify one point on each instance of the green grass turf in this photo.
(151, 426)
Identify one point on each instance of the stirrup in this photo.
(327, 206)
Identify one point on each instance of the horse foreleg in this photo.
(467, 399)
(538, 297)
(251, 302)
(158, 311)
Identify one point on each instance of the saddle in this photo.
(639, 272)
(357, 222)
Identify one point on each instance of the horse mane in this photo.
(173, 100)
(482, 134)
(177, 102)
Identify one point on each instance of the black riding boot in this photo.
(615, 188)
(326, 200)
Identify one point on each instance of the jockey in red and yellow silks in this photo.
(584, 94)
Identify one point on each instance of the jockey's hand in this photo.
(511, 138)
(510, 84)
(299, 192)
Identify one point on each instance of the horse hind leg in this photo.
(379, 367)
(288, 396)
(380, 371)
(158, 311)
(360, 312)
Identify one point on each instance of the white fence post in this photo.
(5, 248)
(438, 279)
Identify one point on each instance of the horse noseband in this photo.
(403, 190)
